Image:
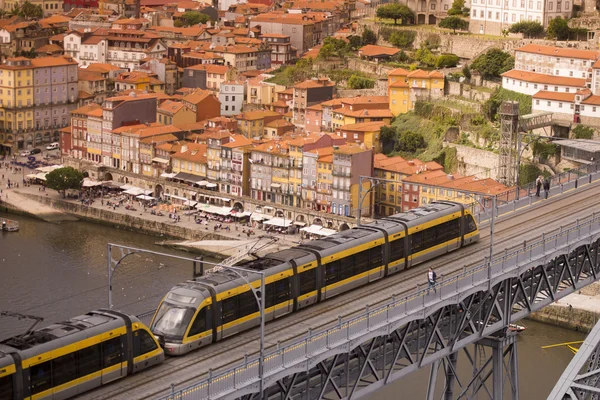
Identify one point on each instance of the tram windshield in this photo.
(172, 320)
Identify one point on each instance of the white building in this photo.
(580, 107)
(492, 16)
(555, 60)
(531, 82)
(231, 96)
(125, 49)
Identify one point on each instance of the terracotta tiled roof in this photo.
(167, 137)
(362, 127)
(279, 123)
(418, 73)
(559, 52)
(547, 95)
(210, 68)
(377, 113)
(399, 84)
(398, 72)
(592, 100)
(533, 77)
(85, 75)
(171, 107)
(85, 110)
(371, 50)
(237, 141)
(350, 149)
(194, 152)
(310, 83)
(256, 115)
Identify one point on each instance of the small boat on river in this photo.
(9, 225)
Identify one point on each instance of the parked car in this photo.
(53, 146)
(35, 151)
(25, 153)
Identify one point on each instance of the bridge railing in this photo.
(508, 202)
(313, 344)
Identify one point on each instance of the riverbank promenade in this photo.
(22, 198)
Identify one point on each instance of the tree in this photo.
(359, 82)
(403, 39)
(583, 132)
(389, 138)
(493, 63)
(65, 178)
(453, 22)
(426, 57)
(192, 18)
(527, 28)
(457, 7)
(28, 10)
(368, 36)
(410, 142)
(396, 12)
(446, 60)
(558, 28)
(333, 47)
(355, 42)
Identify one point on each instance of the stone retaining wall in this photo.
(566, 317)
(128, 222)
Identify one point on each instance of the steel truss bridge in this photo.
(355, 357)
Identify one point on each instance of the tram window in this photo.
(347, 267)
(277, 292)
(40, 377)
(332, 272)
(111, 352)
(470, 224)
(416, 242)
(362, 261)
(64, 369)
(89, 360)
(397, 249)
(248, 304)
(147, 344)
(199, 324)
(229, 308)
(376, 258)
(6, 387)
(307, 281)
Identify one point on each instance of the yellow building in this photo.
(152, 165)
(174, 113)
(360, 109)
(405, 88)
(138, 80)
(190, 158)
(16, 95)
(399, 97)
(263, 93)
(251, 124)
(366, 132)
(280, 178)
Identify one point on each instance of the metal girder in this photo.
(451, 327)
(581, 378)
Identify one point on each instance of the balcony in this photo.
(342, 173)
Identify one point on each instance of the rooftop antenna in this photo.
(20, 316)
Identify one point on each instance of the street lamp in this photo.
(361, 196)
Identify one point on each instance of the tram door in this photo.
(113, 357)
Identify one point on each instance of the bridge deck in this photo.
(544, 216)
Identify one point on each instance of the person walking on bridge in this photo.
(546, 187)
(431, 277)
(538, 185)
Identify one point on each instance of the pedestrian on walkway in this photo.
(431, 278)
(546, 187)
(538, 184)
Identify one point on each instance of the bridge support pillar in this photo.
(450, 375)
(503, 366)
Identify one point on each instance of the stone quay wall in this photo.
(127, 222)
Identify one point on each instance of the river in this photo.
(57, 271)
